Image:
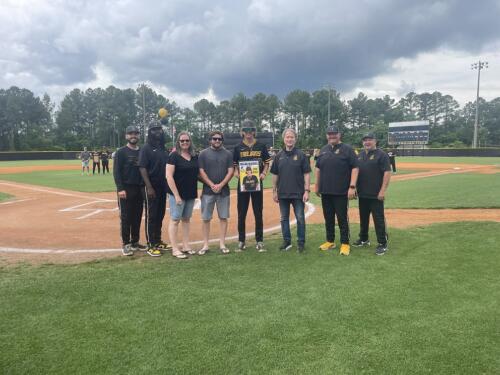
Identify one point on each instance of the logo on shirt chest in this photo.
(372, 157)
(337, 151)
(295, 157)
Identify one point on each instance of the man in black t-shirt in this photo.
(129, 183)
(250, 150)
(374, 177)
(336, 177)
(152, 164)
(105, 160)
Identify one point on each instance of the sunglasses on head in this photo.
(184, 140)
(248, 130)
(217, 139)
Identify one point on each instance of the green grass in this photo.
(4, 196)
(461, 190)
(457, 160)
(27, 163)
(428, 306)
(68, 179)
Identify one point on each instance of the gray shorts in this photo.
(208, 203)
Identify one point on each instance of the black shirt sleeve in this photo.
(143, 157)
(275, 165)
(266, 158)
(172, 158)
(353, 159)
(385, 163)
(117, 170)
(306, 165)
(236, 155)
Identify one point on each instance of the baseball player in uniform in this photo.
(374, 177)
(251, 149)
(336, 177)
(129, 184)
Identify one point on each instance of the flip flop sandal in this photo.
(202, 251)
(189, 251)
(179, 255)
(224, 250)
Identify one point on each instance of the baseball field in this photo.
(69, 303)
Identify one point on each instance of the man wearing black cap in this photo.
(374, 177)
(251, 150)
(152, 164)
(336, 176)
(129, 183)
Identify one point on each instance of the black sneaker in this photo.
(381, 249)
(285, 246)
(127, 251)
(136, 246)
(360, 243)
(300, 247)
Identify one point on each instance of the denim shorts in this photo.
(180, 211)
(208, 203)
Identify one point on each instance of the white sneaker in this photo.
(260, 247)
(241, 247)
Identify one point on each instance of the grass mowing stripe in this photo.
(457, 160)
(427, 306)
(4, 196)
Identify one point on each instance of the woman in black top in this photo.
(182, 178)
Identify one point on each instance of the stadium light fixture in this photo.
(477, 66)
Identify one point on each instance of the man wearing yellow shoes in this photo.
(336, 176)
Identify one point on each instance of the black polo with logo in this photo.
(335, 164)
(372, 166)
(290, 167)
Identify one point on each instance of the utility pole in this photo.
(479, 65)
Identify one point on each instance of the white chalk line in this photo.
(16, 201)
(52, 191)
(310, 210)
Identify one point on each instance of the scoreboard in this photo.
(408, 133)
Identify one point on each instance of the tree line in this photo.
(98, 117)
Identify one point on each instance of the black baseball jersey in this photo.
(372, 166)
(126, 168)
(290, 167)
(335, 164)
(250, 183)
(257, 151)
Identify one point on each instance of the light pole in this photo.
(329, 88)
(479, 65)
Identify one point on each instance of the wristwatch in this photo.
(352, 187)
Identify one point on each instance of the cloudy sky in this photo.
(190, 49)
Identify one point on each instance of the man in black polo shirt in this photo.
(374, 177)
(291, 177)
(129, 183)
(152, 164)
(251, 150)
(336, 176)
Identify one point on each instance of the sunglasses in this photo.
(217, 139)
(248, 130)
(184, 140)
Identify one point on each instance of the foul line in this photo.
(52, 191)
(310, 210)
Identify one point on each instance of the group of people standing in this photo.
(149, 176)
(98, 158)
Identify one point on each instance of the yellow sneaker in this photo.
(345, 249)
(327, 246)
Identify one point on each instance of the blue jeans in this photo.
(298, 209)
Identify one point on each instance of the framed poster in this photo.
(249, 176)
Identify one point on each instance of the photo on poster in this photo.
(249, 176)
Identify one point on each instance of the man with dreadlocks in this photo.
(152, 162)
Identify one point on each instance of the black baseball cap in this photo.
(154, 124)
(368, 136)
(248, 126)
(332, 129)
(132, 129)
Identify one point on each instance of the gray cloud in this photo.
(271, 46)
